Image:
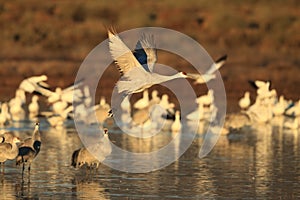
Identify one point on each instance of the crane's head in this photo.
(105, 131)
(183, 74)
(37, 126)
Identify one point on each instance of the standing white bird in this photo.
(5, 117)
(244, 102)
(143, 102)
(279, 108)
(262, 88)
(136, 68)
(33, 107)
(209, 74)
(176, 125)
(154, 97)
(16, 108)
(59, 106)
(206, 99)
(82, 156)
(57, 120)
(198, 114)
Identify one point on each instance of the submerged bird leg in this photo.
(23, 167)
(29, 168)
(2, 167)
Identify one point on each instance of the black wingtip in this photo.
(37, 93)
(221, 59)
(252, 83)
(110, 113)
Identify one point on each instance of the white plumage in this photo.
(209, 74)
(245, 102)
(136, 71)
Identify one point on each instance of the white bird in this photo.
(59, 106)
(260, 111)
(83, 156)
(279, 108)
(141, 117)
(155, 99)
(245, 102)
(136, 69)
(70, 94)
(103, 103)
(33, 107)
(164, 102)
(16, 108)
(34, 84)
(291, 125)
(126, 106)
(176, 125)
(57, 120)
(143, 102)
(101, 110)
(206, 99)
(87, 96)
(262, 88)
(5, 117)
(294, 110)
(198, 114)
(209, 74)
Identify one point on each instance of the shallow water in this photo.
(261, 164)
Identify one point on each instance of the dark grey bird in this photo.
(8, 150)
(82, 156)
(29, 149)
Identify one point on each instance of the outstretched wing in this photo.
(145, 52)
(217, 65)
(194, 76)
(121, 54)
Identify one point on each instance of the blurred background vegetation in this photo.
(261, 37)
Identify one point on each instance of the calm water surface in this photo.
(261, 164)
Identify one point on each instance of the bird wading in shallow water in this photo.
(29, 149)
(82, 156)
(8, 149)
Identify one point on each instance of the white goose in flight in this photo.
(210, 73)
(136, 68)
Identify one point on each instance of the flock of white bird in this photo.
(136, 69)
(267, 108)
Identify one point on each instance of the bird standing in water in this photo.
(8, 150)
(29, 149)
(82, 156)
